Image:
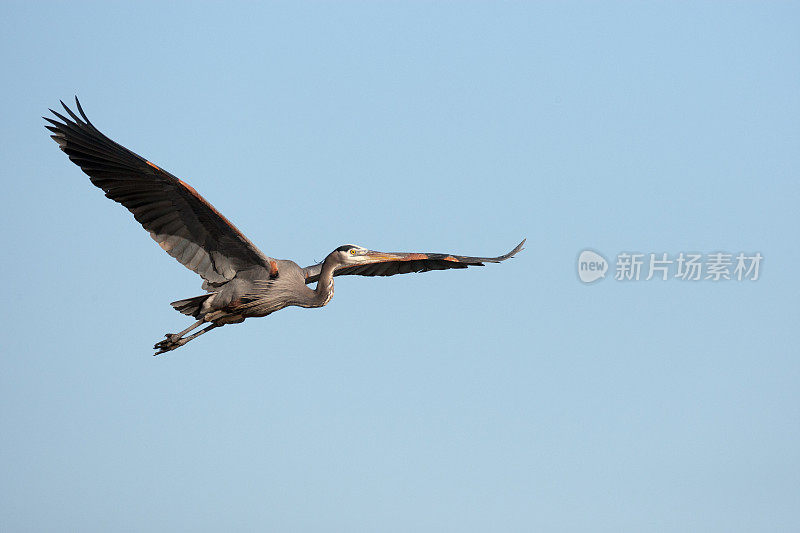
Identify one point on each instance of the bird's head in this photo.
(351, 254)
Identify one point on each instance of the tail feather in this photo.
(191, 306)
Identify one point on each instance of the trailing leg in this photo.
(176, 340)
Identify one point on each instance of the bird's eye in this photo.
(352, 251)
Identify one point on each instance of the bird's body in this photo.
(240, 280)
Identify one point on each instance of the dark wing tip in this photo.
(71, 113)
(56, 129)
(82, 120)
(80, 110)
(517, 249)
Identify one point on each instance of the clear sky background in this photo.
(506, 398)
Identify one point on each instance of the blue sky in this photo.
(507, 398)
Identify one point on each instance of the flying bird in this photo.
(239, 279)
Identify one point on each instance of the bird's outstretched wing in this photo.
(391, 263)
(183, 223)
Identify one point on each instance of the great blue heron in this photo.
(240, 280)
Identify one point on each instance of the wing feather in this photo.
(183, 223)
(405, 263)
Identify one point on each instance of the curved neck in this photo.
(324, 290)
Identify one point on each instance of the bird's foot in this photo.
(171, 342)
